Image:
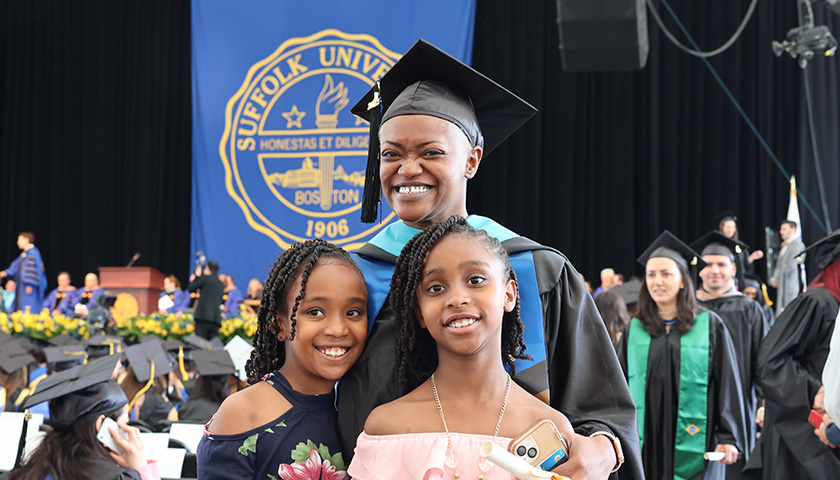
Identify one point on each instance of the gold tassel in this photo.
(145, 387)
(181, 364)
(766, 295)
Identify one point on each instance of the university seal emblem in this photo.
(294, 155)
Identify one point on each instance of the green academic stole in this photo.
(693, 394)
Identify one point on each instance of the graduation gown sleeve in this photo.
(792, 359)
(585, 379)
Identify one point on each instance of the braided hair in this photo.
(416, 349)
(269, 353)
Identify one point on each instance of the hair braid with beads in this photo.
(269, 353)
(416, 349)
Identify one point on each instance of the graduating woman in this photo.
(682, 370)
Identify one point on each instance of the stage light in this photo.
(806, 40)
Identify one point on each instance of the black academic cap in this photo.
(723, 216)
(429, 81)
(214, 362)
(146, 357)
(628, 291)
(103, 345)
(668, 246)
(81, 392)
(5, 338)
(825, 250)
(14, 356)
(63, 339)
(202, 344)
(66, 356)
(715, 243)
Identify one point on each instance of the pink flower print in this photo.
(313, 469)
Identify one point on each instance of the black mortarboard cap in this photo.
(628, 291)
(5, 338)
(80, 392)
(723, 216)
(14, 356)
(214, 362)
(204, 344)
(65, 357)
(63, 339)
(429, 81)
(716, 243)
(668, 246)
(825, 250)
(103, 345)
(146, 357)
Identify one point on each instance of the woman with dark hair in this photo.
(80, 400)
(614, 314)
(681, 367)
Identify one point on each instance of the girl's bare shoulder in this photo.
(248, 409)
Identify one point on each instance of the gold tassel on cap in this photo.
(181, 364)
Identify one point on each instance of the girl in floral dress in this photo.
(311, 328)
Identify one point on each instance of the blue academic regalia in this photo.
(27, 270)
(180, 300)
(233, 299)
(54, 299)
(83, 296)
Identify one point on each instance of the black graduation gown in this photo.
(155, 409)
(585, 379)
(792, 359)
(747, 324)
(724, 413)
(100, 469)
(198, 410)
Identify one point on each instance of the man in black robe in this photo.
(792, 358)
(742, 316)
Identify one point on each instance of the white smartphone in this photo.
(105, 438)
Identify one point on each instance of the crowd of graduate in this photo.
(447, 331)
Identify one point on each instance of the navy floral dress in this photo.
(300, 444)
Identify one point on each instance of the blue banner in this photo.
(277, 156)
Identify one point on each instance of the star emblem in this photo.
(293, 117)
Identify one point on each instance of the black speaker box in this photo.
(602, 35)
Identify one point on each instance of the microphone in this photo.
(133, 259)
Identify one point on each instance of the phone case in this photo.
(540, 445)
(105, 438)
(815, 419)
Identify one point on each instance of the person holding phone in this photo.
(456, 305)
(81, 399)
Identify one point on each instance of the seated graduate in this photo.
(55, 297)
(146, 382)
(682, 370)
(14, 362)
(214, 369)
(79, 301)
(80, 399)
(454, 297)
(176, 299)
(232, 298)
(310, 329)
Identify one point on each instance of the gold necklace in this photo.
(483, 464)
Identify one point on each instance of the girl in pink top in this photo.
(454, 296)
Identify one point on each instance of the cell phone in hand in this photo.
(105, 438)
(541, 445)
(815, 419)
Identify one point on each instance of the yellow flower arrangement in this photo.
(245, 325)
(43, 325)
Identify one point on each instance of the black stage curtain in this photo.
(612, 159)
(95, 133)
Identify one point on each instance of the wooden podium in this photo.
(144, 283)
